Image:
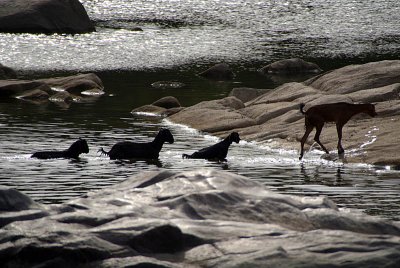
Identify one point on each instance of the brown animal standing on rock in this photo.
(339, 112)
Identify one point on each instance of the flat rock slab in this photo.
(199, 218)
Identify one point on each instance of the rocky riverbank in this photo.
(59, 90)
(273, 116)
(200, 218)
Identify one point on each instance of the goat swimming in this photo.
(339, 112)
(217, 151)
(78, 147)
(134, 150)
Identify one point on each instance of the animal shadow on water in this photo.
(139, 151)
(339, 113)
(78, 147)
(216, 152)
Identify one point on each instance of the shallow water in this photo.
(179, 39)
(374, 190)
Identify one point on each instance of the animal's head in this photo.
(166, 135)
(234, 137)
(370, 110)
(80, 146)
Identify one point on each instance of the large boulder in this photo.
(290, 66)
(199, 218)
(44, 16)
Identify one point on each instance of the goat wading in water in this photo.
(134, 150)
(339, 112)
(78, 147)
(217, 151)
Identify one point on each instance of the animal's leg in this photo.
(316, 137)
(303, 140)
(339, 128)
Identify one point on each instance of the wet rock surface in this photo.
(219, 72)
(275, 115)
(7, 72)
(74, 88)
(165, 106)
(291, 66)
(199, 218)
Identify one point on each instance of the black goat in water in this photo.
(134, 150)
(78, 147)
(217, 151)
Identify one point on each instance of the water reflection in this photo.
(127, 162)
(315, 175)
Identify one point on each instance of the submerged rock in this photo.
(200, 218)
(75, 84)
(7, 72)
(165, 106)
(167, 102)
(291, 66)
(44, 16)
(167, 84)
(74, 88)
(220, 71)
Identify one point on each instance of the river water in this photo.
(179, 39)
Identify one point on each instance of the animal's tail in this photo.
(301, 108)
(102, 152)
(185, 156)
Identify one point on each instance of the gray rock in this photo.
(35, 94)
(291, 66)
(13, 200)
(76, 84)
(163, 107)
(62, 96)
(7, 72)
(354, 78)
(214, 116)
(13, 88)
(44, 16)
(220, 71)
(167, 102)
(199, 218)
(246, 94)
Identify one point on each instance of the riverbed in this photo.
(180, 39)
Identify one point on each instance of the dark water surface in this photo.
(179, 39)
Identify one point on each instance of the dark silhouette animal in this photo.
(217, 151)
(339, 112)
(134, 150)
(78, 147)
